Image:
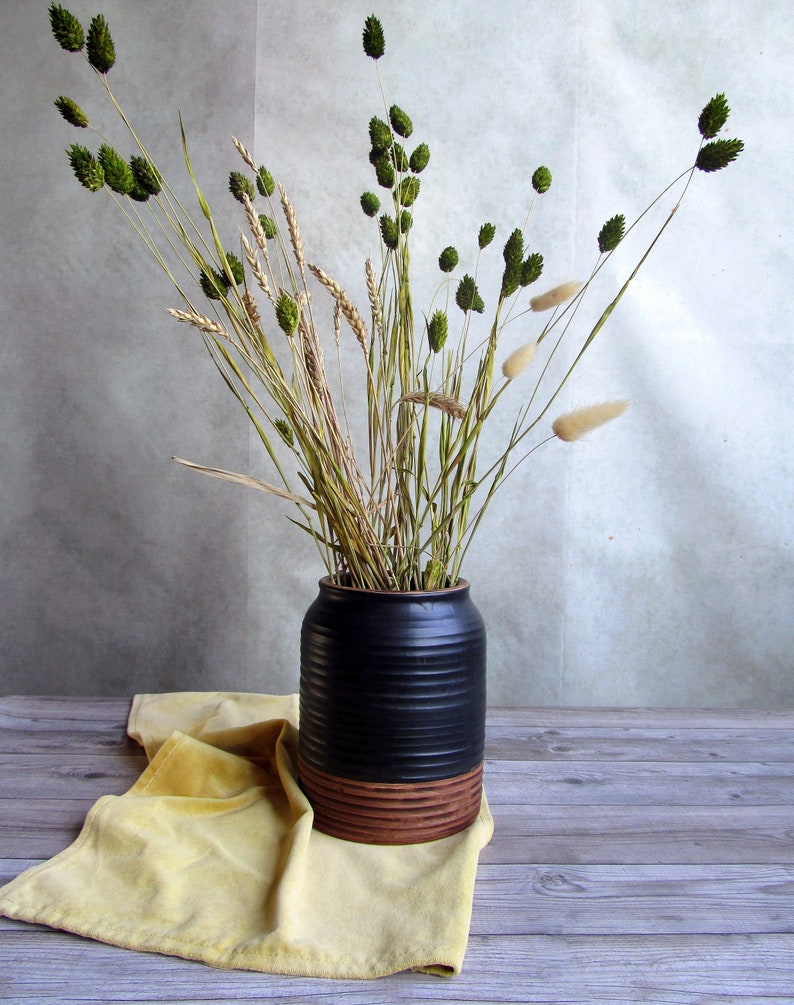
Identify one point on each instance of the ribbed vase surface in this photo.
(392, 712)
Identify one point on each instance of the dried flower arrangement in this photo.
(400, 515)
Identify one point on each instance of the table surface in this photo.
(638, 856)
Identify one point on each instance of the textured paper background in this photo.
(650, 564)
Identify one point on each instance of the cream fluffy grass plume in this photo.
(519, 360)
(573, 425)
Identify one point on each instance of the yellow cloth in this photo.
(211, 856)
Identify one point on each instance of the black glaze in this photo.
(392, 684)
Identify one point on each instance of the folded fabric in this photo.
(211, 856)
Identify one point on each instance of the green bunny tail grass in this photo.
(99, 45)
(485, 235)
(241, 186)
(379, 134)
(146, 175)
(718, 154)
(71, 111)
(86, 167)
(118, 173)
(448, 259)
(66, 28)
(713, 117)
(541, 180)
(611, 234)
(389, 232)
(400, 122)
(467, 296)
(373, 38)
(513, 255)
(265, 182)
(370, 203)
(420, 158)
(287, 314)
(437, 328)
(531, 268)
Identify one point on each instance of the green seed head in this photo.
(486, 235)
(409, 190)
(146, 175)
(531, 268)
(611, 234)
(379, 134)
(285, 431)
(99, 45)
(419, 158)
(373, 38)
(118, 173)
(448, 259)
(86, 167)
(389, 232)
(235, 267)
(214, 284)
(71, 111)
(514, 248)
(541, 180)
(287, 314)
(66, 28)
(437, 327)
(406, 221)
(384, 170)
(513, 255)
(468, 296)
(138, 193)
(399, 158)
(370, 203)
(268, 225)
(718, 154)
(265, 182)
(400, 122)
(239, 186)
(713, 117)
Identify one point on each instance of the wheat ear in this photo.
(349, 310)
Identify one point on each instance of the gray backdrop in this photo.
(649, 564)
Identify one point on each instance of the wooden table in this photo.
(639, 856)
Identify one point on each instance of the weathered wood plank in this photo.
(32, 733)
(554, 899)
(647, 835)
(558, 899)
(96, 709)
(384, 997)
(628, 734)
(11, 867)
(73, 775)
(646, 783)
(642, 718)
(40, 828)
(577, 834)
(66, 775)
(381, 997)
(59, 708)
(570, 969)
(506, 740)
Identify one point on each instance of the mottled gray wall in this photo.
(650, 564)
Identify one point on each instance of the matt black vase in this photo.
(392, 712)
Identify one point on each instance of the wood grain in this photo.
(639, 856)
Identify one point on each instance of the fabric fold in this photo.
(211, 856)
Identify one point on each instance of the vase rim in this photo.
(328, 583)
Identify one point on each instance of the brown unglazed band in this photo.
(391, 813)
